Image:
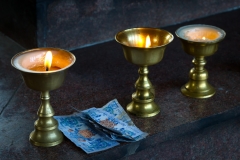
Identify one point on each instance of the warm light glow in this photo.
(203, 38)
(48, 60)
(155, 40)
(148, 42)
(139, 41)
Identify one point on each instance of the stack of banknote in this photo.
(98, 129)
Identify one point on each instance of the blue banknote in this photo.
(113, 124)
(114, 108)
(83, 135)
(98, 129)
(112, 118)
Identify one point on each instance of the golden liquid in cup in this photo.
(42, 68)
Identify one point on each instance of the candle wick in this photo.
(46, 68)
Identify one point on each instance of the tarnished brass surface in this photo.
(46, 133)
(197, 86)
(143, 104)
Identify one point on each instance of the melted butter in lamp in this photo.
(61, 60)
(201, 34)
(47, 66)
(43, 68)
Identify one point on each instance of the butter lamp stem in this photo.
(46, 133)
(198, 87)
(143, 104)
(143, 85)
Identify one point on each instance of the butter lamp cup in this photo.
(198, 86)
(46, 133)
(143, 104)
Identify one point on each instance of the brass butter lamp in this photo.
(44, 78)
(199, 41)
(143, 47)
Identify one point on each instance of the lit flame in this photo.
(148, 42)
(203, 38)
(48, 60)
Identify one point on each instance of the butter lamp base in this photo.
(143, 109)
(198, 86)
(46, 138)
(198, 89)
(46, 133)
(143, 104)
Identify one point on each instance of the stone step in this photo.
(73, 24)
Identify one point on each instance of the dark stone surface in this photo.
(220, 141)
(72, 24)
(9, 77)
(101, 74)
(18, 21)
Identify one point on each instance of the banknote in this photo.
(83, 134)
(114, 108)
(113, 124)
(98, 129)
